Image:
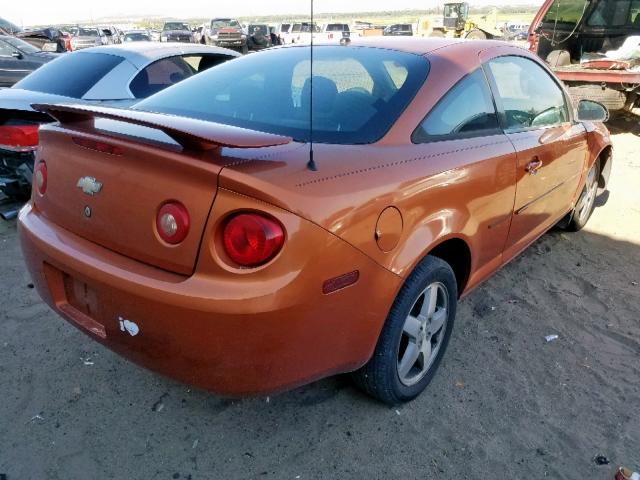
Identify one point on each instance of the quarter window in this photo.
(466, 110)
(529, 96)
(160, 75)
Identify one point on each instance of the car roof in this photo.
(141, 54)
(419, 46)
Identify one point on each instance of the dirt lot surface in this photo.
(505, 405)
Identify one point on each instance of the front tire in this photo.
(414, 337)
(476, 35)
(587, 201)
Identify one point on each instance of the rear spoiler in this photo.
(190, 133)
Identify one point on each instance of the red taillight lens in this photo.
(40, 177)
(19, 138)
(172, 222)
(252, 240)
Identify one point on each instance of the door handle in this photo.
(533, 166)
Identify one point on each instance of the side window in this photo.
(160, 75)
(200, 63)
(467, 109)
(529, 96)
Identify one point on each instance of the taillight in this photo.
(19, 138)
(251, 239)
(40, 177)
(172, 222)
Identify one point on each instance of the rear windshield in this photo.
(337, 27)
(137, 37)
(71, 75)
(263, 29)
(358, 93)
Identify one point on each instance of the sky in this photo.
(35, 12)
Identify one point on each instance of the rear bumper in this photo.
(234, 338)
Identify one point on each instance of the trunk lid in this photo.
(112, 198)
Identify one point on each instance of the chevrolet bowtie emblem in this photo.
(89, 185)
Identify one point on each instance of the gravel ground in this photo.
(505, 404)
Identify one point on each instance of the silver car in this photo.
(113, 75)
(87, 37)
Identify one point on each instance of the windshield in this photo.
(87, 69)
(175, 26)
(85, 32)
(217, 24)
(565, 12)
(358, 93)
(23, 46)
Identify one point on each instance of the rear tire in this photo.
(414, 337)
(587, 201)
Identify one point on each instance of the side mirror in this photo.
(590, 111)
(17, 55)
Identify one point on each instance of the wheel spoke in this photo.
(408, 359)
(430, 301)
(412, 327)
(437, 321)
(426, 354)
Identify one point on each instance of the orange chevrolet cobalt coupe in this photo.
(198, 236)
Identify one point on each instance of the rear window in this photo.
(263, 29)
(565, 12)
(358, 93)
(614, 13)
(71, 75)
(160, 75)
(137, 37)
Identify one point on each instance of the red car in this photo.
(201, 235)
(593, 46)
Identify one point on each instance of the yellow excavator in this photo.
(456, 24)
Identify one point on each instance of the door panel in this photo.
(550, 148)
(549, 166)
